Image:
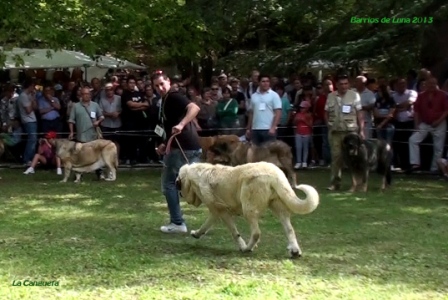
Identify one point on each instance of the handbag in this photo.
(99, 133)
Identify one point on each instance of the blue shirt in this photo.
(44, 104)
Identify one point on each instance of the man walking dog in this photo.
(175, 126)
(343, 114)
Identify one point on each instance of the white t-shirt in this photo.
(408, 95)
(263, 106)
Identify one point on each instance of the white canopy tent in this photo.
(45, 59)
(22, 58)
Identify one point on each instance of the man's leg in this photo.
(335, 140)
(30, 149)
(438, 136)
(414, 144)
(268, 137)
(172, 163)
(169, 174)
(325, 145)
(256, 137)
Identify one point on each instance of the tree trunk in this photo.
(207, 70)
(262, 39)
(434, 52)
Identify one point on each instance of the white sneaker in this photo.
(30, 170)
(173, 228)
(304, 165)
(59, 171)
(297, 166)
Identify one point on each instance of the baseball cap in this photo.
(51, 135)
(305, 104)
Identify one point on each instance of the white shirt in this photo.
(367, 98)
(408, 95)
(263, 106)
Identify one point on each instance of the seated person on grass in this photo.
(46, 155)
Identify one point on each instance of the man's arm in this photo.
(192, 111)
(137, 105)
(99, 115)
(360, 117)
(29, 105)
(359, 113)
(417, 119)
(443, 116)
(277, 117)
(250, 115)
(277, 111)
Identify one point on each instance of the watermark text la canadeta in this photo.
(28, 282)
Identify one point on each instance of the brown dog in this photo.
(235, 154)
(208, 141)
(87, 157)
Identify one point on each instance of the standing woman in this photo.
(227, 113)
(176, 117)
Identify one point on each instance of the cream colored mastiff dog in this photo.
(87, 157)
(249, 190)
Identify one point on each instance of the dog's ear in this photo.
(77, 148)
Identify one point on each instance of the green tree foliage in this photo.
(276, 35)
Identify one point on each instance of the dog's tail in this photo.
(296, 205)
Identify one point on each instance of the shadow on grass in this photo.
(106, 234)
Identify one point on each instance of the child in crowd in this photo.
(303, 121)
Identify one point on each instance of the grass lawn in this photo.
(101, 240)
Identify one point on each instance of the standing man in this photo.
(430, 113)
(134, 119)
(175, 117)
(368, 100)
(86, 115)
(265, 112)
(343, 114)
(49, 108)
(27, 105)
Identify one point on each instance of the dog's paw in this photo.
(246, 249)
(195, 234)
(63, 181)
(294, 252)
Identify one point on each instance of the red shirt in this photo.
(319, 111)
(431, 105)
(301, 120)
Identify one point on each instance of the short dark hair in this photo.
(28, 82)
(264, 76)
(131, 77)
(342, 77)
(279, 86)
(226, 90)
(157, 74)
(371, 80)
